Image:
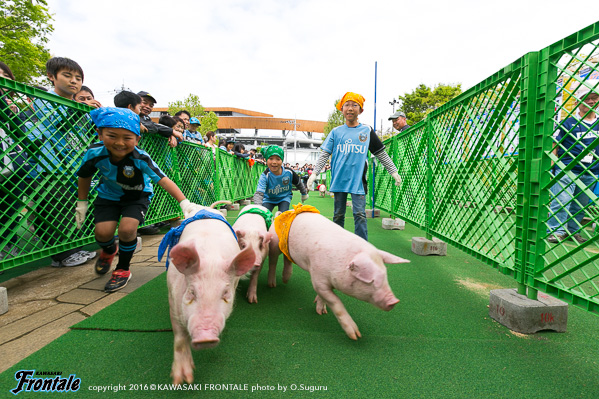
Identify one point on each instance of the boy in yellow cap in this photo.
(349, 145)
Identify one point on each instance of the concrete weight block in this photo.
(528, 316)
(393, 224)
(233, 207)
(377, 213)
(245, 202)
(3, 300)
(223, 211)
(423, 246)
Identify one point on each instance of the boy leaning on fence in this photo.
(349, 145)
(574, 135)
(124, 191)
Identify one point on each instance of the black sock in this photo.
(126, 249)
(109, 246)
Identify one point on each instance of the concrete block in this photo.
(377, 213)
(521, 314)
(393, 224)
(423, 246)
(223, 211)
(245, 202)
(3, 300)
(233, 207)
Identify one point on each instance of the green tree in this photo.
(24, 26)
(335, 119)
(422, 100)
(208, 120)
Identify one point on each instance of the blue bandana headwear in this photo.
(172, 237)
(116, 117)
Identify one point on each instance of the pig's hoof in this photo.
(252, 298)
(321, 306)
(272, 283)
(352, 331)
(182, 373)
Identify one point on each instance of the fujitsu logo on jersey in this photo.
(277, 190)
(349, 147)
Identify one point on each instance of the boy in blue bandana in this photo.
(274, 185)
(124, 191)
(349, 145)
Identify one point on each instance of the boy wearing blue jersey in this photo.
(349, 145)
(274, 186)
(124, 192)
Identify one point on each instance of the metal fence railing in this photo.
(42, 141)
(508, 171)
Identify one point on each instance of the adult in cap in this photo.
(400, 122)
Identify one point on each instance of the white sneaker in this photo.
(88, 254)
(74, 260)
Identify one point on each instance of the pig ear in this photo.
(239, 233)
(390, 258)
(364, 273)
(185, 257)
(243, 262)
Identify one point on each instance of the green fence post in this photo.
(429, 179)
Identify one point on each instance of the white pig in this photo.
(252, 232)
(205, 269)
(338, 259)
(273, 257)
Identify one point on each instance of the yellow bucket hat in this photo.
(350, 96)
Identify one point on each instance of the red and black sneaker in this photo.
(119, 279)
(104, 261)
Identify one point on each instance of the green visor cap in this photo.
(273, 150)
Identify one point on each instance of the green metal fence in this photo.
(507, 171)
(43, 138)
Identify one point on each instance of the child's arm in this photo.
(83, 185)
(188, 208)
(172, 189)
(260, 190)
(297, 182)
(322, 160)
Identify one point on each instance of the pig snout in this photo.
(387, 302)
(204, 338)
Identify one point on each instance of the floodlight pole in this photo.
(295, 125)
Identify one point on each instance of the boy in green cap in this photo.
(274, 186)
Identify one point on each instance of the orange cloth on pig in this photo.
(349, 96)
(283, 224)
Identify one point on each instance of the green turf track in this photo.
(438, 342)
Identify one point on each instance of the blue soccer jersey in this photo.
(128, 180)
(349, 148)
(574, 136)
(277, 188)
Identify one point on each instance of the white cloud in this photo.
(295, 58)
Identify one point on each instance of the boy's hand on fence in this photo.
(310, 182)
(80, 212)
(304, 198)
(397, 179)
(172, 141)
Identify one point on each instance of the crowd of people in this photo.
(127, 172)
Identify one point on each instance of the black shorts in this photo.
(111, 211)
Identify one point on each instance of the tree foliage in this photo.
(24, 27)
(418, 104)
(335, 119)
(208, 120)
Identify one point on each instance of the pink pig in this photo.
(338, 259)
(205, 269)
(251, 232)
(273, 257)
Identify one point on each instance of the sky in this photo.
(294, 59)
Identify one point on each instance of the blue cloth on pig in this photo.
(172, 237)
